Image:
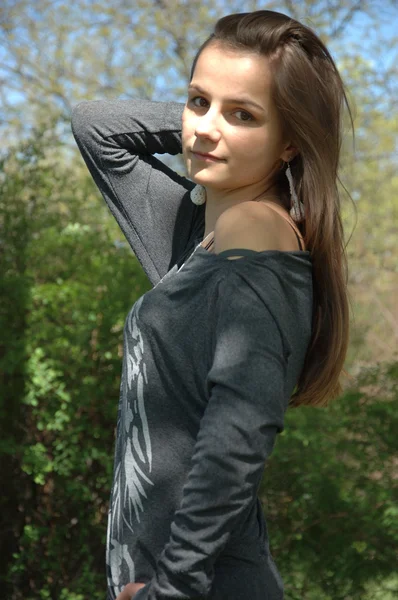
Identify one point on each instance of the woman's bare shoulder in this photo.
(253, 226)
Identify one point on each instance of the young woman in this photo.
(248, 313)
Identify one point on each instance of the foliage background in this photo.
(68, 278)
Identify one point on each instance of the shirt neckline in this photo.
(217, 259)
(199, 250)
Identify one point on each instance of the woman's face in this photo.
(230, 114)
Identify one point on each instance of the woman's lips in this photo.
(206, 157)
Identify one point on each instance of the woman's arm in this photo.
(245, 412)
(117, 139)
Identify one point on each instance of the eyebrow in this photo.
(230, 100)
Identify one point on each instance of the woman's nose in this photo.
(207, 126)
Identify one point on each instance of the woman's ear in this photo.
(289, 153)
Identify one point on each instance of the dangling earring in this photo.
(297, 210)
(198, 194)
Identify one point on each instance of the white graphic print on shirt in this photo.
(135, 464)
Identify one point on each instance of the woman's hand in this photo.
(130, 591)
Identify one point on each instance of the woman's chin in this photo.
(201, 179)
(205, 178)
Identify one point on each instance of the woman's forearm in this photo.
(140, 126)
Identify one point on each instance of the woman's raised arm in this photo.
(117, 139)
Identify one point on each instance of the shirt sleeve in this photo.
(150, 202)
(245, 412)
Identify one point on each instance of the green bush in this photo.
(329, 489)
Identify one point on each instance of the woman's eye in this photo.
(245, 116)
(199, 101)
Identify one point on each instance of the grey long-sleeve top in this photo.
(212, 354)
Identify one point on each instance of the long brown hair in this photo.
(309, 94)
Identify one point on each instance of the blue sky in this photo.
(360, 33)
